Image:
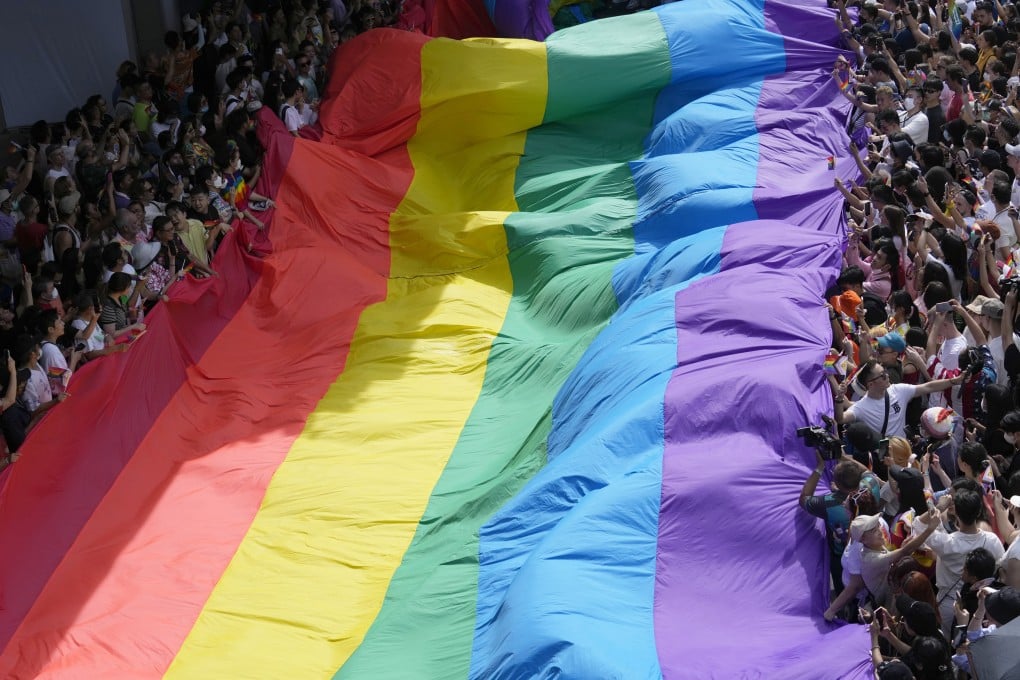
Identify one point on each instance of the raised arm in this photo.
(972, 324)
(860, 162)
(25, 176)
(1008, 312)
(986, 257)
(847, 195)
(939, 385)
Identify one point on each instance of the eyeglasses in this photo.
(881, 375)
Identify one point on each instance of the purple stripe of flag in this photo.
(741, 570)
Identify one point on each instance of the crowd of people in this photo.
(101, 214)
(923, 511)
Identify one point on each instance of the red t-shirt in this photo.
(31, 236)
(955, 105)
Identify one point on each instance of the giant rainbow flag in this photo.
(509, 391)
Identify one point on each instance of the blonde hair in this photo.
(899, 449)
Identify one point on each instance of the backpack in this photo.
(978, 379)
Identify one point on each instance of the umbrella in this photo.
(996, 656)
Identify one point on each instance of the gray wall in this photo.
(66, 50)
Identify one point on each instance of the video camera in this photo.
(822, 440)
(1006, 285)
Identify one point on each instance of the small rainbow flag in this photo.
(835, 363)
(58, 378)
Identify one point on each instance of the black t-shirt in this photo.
(974, 81)
(210, 218)
(936, 119)
(14, 424)
(1011, 362)
(994, 442)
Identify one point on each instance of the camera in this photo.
(974, 361)
(1006, 285)
(821, 439)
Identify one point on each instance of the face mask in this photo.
(204, 109)
(240, 166)
(1009, 437)
(201, 131)
(909, 103)
(219, 183)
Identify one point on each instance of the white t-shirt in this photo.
(1005, 223)
(871, 412)
(851, 561)
(986, 210)
(942, 365)
(916, 126)
(94, 342)
(950, 351)
(52, 357)
(952, 550)
(38, 389)
(998, 353)
(292, 117)
(53, 174)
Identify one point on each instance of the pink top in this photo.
(876, 282)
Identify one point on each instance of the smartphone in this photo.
(943, 307)
(80, 347)
(883, 617)
(867, 207)
(883, 448)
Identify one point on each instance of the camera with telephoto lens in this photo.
(974, 362)
(1006, 285)
(822, 440)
